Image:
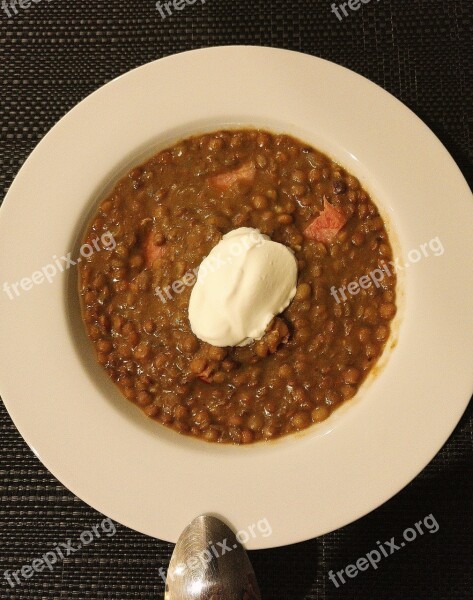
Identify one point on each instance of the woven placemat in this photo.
(53, 54)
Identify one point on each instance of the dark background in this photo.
(55, 53)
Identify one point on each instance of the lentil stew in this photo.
(167, 214)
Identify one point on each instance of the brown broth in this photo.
(165, 216)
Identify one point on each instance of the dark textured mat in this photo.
(55, 53)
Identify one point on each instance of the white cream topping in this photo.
(243, 283)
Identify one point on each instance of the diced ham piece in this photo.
(151, 250)
(325, 227)
(244, 173)
(206, 374)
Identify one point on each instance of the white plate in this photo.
(146, 476)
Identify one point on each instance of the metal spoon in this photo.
(209, 563)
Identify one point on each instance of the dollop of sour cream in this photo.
(245, 281)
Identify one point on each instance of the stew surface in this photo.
(167, 214)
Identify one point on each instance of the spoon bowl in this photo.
(209, 563)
